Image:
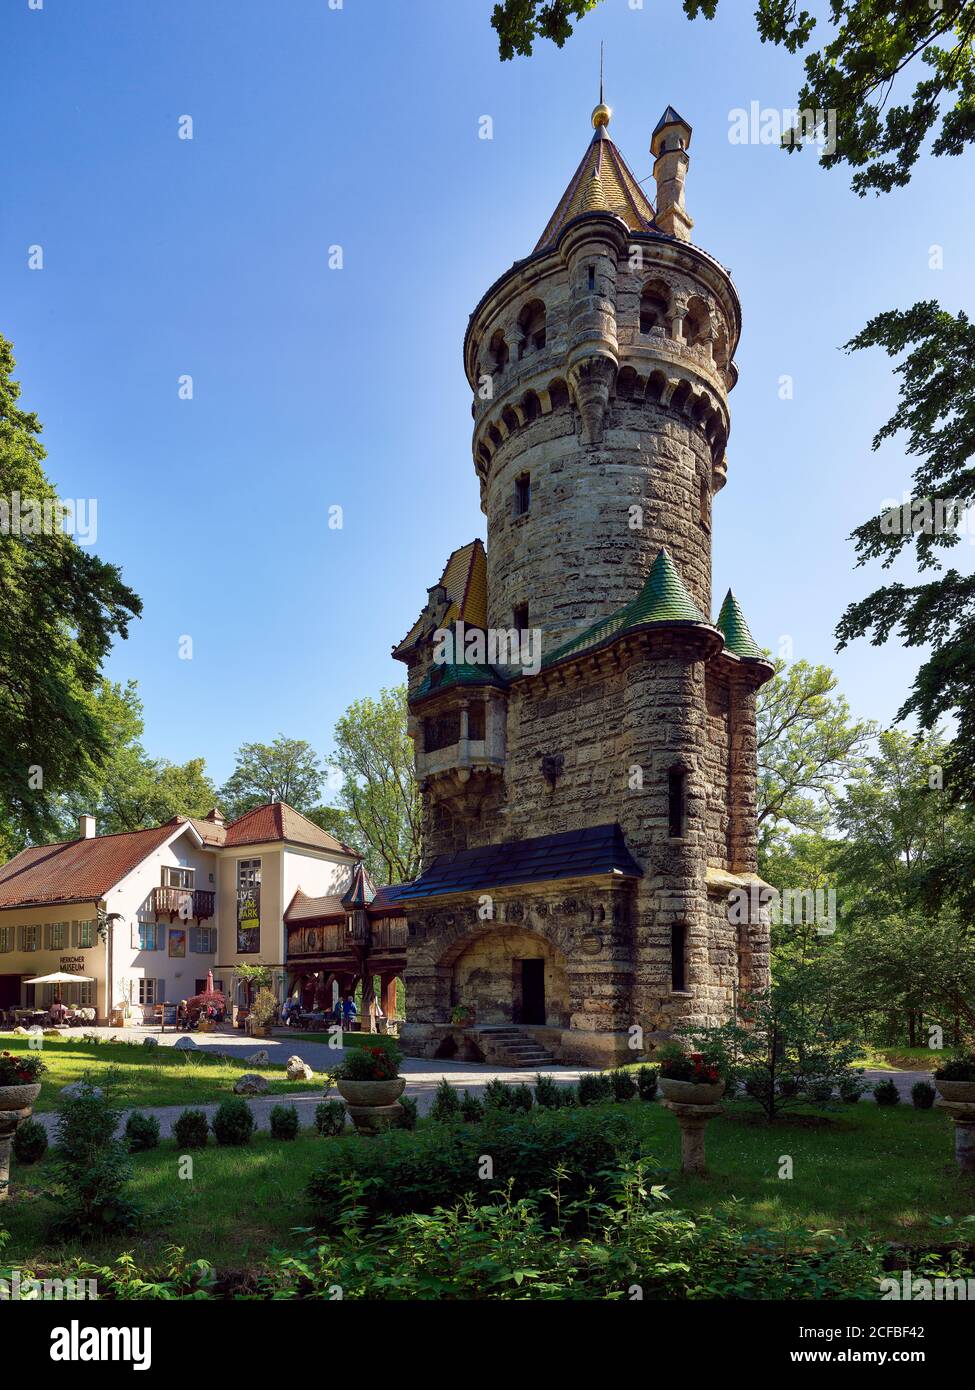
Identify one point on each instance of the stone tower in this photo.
(584, 732)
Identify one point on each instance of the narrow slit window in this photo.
(676, 802)
(592, 277)
(523, 494)
(520, 617)
(678, 958)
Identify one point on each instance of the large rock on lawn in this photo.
(76, 1089)
(299, 1070)
(259, 1058)
(250, 1084)
(184, 1044)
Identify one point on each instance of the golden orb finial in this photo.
(601, 115)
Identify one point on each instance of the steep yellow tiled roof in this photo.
(602, 183)
(464, 580)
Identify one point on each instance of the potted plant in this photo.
(19, 1080)
(462, 1015)
(369, 1082)
(689, 1078)
(955, 1079)
(263, 1013)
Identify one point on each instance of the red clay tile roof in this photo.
(302, 908)
(279, 821)
(76, 870)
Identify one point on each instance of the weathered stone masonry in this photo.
(600, 367)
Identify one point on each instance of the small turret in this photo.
(669, 144)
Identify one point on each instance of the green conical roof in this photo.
(664, 598)
(735, 631)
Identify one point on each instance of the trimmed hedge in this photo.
(401, 1172)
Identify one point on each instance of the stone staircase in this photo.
(511, 1047)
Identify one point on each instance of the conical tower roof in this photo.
(735, 631)
(664, 598)
(603, 182)
(360, 891)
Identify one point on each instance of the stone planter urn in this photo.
(691, 1092)
(372, 1105)
(957, 1099)
(692, 1103)
(16, 1103)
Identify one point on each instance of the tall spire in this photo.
(601, 113)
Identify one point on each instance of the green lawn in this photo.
(147, 1076)
(904, 1058)
(865, 1170)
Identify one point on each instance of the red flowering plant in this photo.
(374, 1063)
(20, 1070)
(700, 1068)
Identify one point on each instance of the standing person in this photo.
(348, 1011)
(337, 1010)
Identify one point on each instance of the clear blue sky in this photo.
(315, 387)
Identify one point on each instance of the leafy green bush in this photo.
(436, 1166)
(30, 1142)
(191, 1130)
(233, 1124)
(471, 1247)
(471, 1108)
(851, 1087)
(141, 1132)
(594, 1088)
(91, 1167)
(922, 1095)
(284, 1122)
(819, 1091)
(646, 1082)
(446, 1103)
(886, 1093)
(330, 1117)
(546, 1092)
(960, 1068)
(410, 1112)
(623, 1085)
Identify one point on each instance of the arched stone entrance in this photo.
(509, 975)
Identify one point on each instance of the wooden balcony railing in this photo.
(338, 938)
(184, 902)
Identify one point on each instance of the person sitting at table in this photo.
(58, 1012)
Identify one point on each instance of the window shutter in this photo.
(75, 934)
(21, 937)
(47, 936)
(135, 935)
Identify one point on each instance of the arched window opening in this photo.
(531, 323)
(697, 323)
(676, 802)
(532, 407)
(558, 394)
(654, 307)
(498, 352)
